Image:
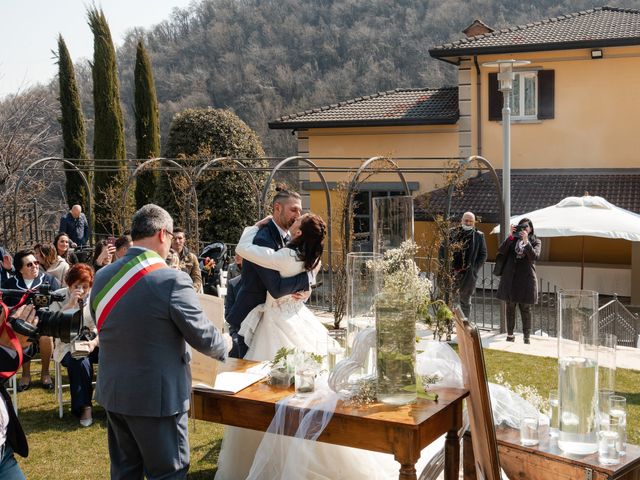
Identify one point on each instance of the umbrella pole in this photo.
(582, 267)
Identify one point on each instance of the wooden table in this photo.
(546, 461)
(402, 431)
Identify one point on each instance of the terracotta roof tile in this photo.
(403, 106)
(596, 27)
(531, 190)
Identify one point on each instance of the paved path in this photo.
(626, 357)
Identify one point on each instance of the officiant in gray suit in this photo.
(146, 313)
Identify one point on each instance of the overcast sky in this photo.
(29, 30)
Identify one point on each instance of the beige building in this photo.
(574, 130)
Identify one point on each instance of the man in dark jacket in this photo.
(75, 225)
(469, 254)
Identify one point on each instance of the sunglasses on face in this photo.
(33, 264)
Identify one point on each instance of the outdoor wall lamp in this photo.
(595, 54)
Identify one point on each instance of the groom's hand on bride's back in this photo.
(302, 295)
(264, 221)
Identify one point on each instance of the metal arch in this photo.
(143, 165)
(494, 176)
(38, 162)
(209, 163)
(354, 184)
(265, 192)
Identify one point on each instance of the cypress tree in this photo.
(72, 123)
(147, 125)
(108, 135)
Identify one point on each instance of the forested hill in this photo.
(266, 58)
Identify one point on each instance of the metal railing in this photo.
(615, 318)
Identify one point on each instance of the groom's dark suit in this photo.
(256, 281)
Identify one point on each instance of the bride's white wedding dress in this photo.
(287, 322)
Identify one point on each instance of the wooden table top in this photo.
(407, 416)
(548, 447)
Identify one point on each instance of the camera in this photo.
(520, 228)
(65, 325)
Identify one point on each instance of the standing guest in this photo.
(103, 254)
(61, 241)
(30, 277)
(6, 267)
(188, 261)
(144, 326)
(80, 369)
(12, 352)
(51, 262)
(470, 253)
(75, 225)
(122, 245)
(233, 286)
(518, 283)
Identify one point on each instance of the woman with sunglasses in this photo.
(29, 276)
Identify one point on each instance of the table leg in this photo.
(452, 447)
(408, 471)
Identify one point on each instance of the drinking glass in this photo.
(608, 453)
(618, 421)
(553, 404)
(305, 381)
(529, 431)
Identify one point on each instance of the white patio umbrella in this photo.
(583, 216)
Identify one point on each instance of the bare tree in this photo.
(28, 132)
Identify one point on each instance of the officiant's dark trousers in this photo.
(157, 447)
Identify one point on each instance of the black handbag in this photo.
(501, 260)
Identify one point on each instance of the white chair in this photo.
(59, 386)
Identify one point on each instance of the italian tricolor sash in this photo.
(127, 277)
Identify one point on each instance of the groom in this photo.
(256, 280)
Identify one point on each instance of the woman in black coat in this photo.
(12, 437)
(29, 276)
(518, 283)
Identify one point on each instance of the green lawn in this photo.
(61, 449)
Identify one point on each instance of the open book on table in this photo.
(205, 375)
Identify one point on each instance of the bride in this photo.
(287, 322)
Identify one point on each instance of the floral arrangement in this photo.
(401, 275)
(529, 393)
(284, 364)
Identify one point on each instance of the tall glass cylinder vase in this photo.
(363, 282)
(392, 222)
(396, 348)
(578, 371)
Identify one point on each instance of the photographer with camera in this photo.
(14, 349)
(30, 277)
(518, 282)
(81, 354)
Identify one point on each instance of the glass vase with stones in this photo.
(578, 371)
(396, 348)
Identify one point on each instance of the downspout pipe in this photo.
(478, 108)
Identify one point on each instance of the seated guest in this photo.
(79, 280)
(188, 261)
(102, 254)
(51, 262)
(29, 277)
(61, 241)
(6, 267)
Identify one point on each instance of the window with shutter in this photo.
(531, 98)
